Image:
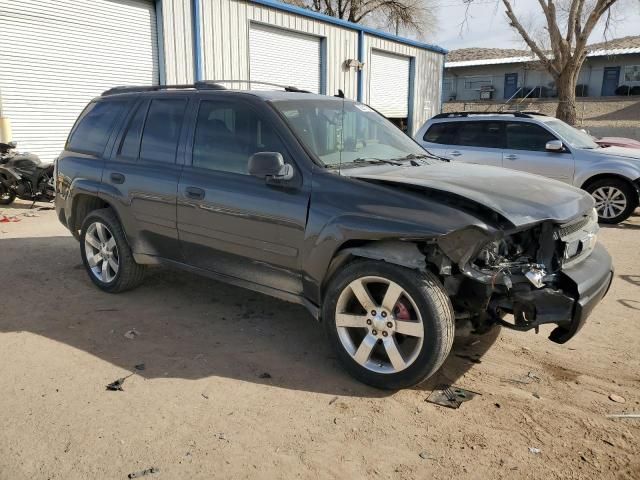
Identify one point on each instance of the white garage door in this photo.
(286, 58)
(389, 84)
(55, 56)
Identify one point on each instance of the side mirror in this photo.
(270, 165)
(554, 146)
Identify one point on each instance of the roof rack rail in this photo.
(287, 88)
(521, 114)
(200, 85)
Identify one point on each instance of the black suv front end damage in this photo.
(545, 274)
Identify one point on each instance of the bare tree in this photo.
(568, 49)
(413, 16)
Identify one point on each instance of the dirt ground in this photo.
(201, 408)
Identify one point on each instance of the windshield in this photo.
(574, 137)
(343, 132)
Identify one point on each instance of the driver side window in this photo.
(527, 136)
(227, 134)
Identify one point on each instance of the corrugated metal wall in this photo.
(177, 31)
(225, 41)
(225, 49)
(427, 82)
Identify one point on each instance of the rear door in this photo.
(230, 222)
(525, 150)
(479, 141)
(142, 175)
(439, 137)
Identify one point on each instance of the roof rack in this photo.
(199, 85)
(522, 114)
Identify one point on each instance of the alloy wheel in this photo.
(101, 252)
(379, 324)
(610, 201)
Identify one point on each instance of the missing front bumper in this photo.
(581, 289)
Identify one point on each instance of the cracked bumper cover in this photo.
(581, 288)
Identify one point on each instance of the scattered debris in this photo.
(534, 450)
(143, 473)
(264, 375)
(530, 377)
(469, 357)
(424, 455)
(450, 396)
(131, 334)
(617, 398)
(116, 386)
(5, 219)
(608, 442)
(624, 415)
(140, 367)
(206, 397)
(497, 405)
(332, 401)
(30, 214)
(535, 394)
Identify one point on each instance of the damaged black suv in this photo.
(321, 201)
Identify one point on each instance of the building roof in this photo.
(350, 25)
(468, 57)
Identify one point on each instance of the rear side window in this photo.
(442, 133)
(94, 126)
(130, 146)
(480, 134)
(527, 136)
(162, 130)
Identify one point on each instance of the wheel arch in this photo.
(82, 205)
(404, 253)
(602, 176)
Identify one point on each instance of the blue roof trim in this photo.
(352, 26)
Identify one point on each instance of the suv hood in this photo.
(620, 152)
(521, 198)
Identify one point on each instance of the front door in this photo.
(525, 150)
(510, 85)
(610, 80)
(230, 222)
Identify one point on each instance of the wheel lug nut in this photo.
(375, 332)
(373, 312)
(369, 321)
(389, 324)
(384, 314)
(384, 334)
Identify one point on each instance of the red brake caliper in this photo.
(401, 312)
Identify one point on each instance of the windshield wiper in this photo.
(377, 161)
(414, 156)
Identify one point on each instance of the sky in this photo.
(487, 24)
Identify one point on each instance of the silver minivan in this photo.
(536, 143)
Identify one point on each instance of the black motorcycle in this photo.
(24, 176)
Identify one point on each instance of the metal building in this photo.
(75, 49)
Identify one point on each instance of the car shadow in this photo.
(184, 326)
(621, 226)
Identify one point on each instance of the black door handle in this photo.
(117, 177)
(195, 193)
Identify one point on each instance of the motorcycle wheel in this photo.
(6, 196)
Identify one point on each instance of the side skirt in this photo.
(313, 309)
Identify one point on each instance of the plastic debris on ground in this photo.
(450, 396)
(534, 450)
(142, 473)
(131, 334)
(116, 386)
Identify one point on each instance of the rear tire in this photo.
(615, 199)
(404, 333)
(106, 254)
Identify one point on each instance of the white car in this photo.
(536, 143)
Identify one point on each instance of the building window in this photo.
(474, 83)
(632, 73)
(447, 84)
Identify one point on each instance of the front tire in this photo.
(106, 254)
(615, 199)
(7, 196)
(391, 327)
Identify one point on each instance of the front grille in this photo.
(572, 227)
